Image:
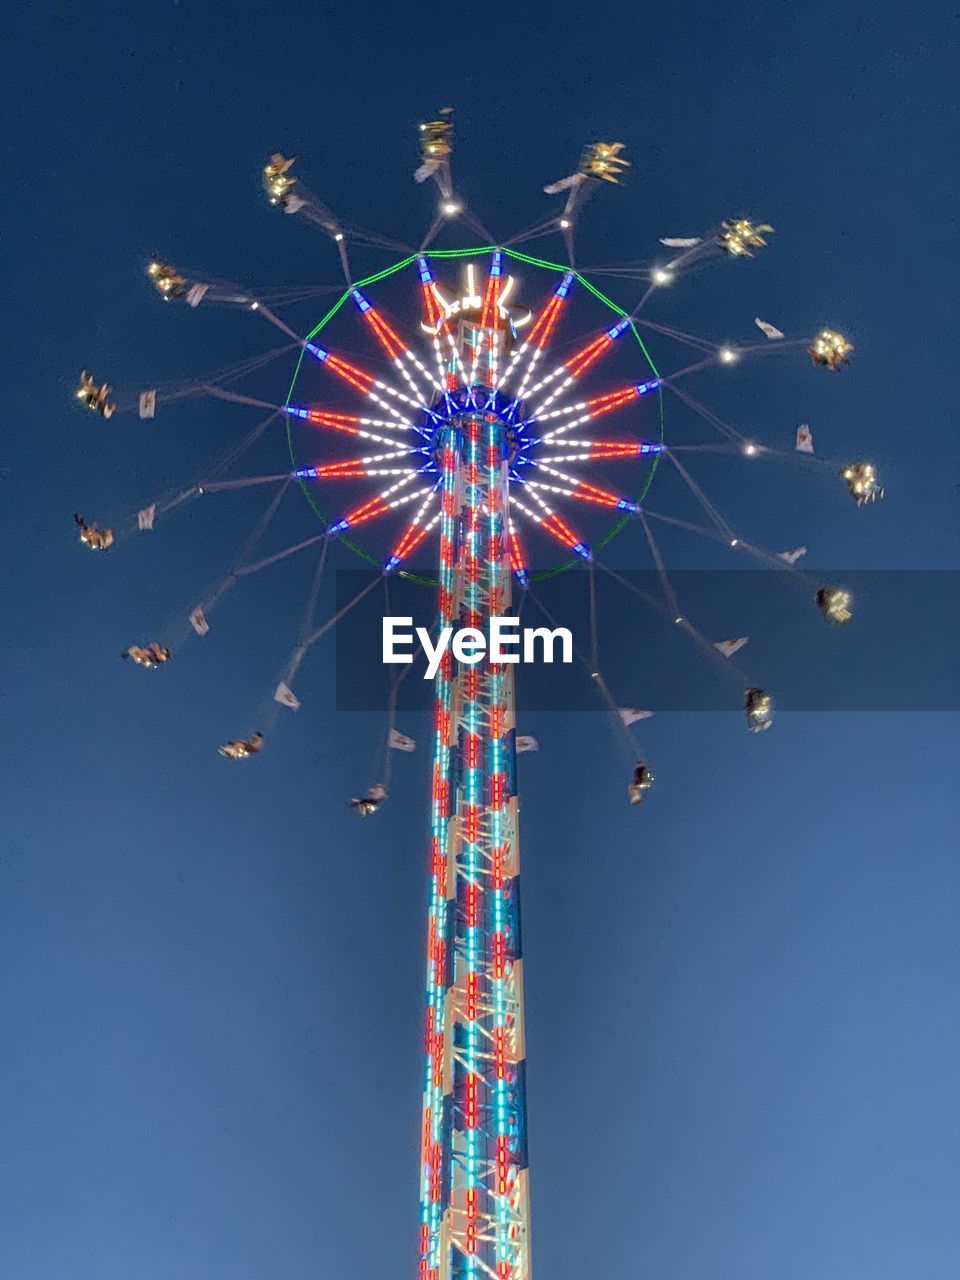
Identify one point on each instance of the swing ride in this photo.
(457, 439)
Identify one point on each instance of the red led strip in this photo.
(490, 314)
(590, 493)
(386, 336)
(581, 360)
(338, 421)
(517, 558)
(560, 530)
(368, 511)
(546, 322)
(349, 469)
(350, 373)
(412, 537)
(612, 400)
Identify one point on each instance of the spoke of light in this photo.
(488, 334)
(351, 470)
(361, 381)
(587, 409)
(580, 490)
(540, 333)
(415, 532)
(385, 501)
(600, 450)
(435, 306)
(578, 364)
(554, 525)
(395, 348)
(518, 560)
(358, 466)
(434, 320)
(350, 423)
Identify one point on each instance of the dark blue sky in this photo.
(742, 1021)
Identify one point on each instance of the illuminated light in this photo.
(498, 867)
(583, 359)
(335, 421)
(348, 470)
(360, 300)
(517, 561)
(560, 530)
(496, 721)
(254, 306)
(472, 681)
(338, 236)
(734, 542)
(612, 400)
(727, 355)
(545, 323)
(498, 787)
(451, 209)
(412, 537)
(375, 507)
(489, 317)
(473, 814)
(612, 449)
(590, 493)
(317, 352)
(750, 450)
(565, 223)
(603, 450)
(662, 277)
(444, 304)
(349, 373)
(499, 1035)
(391, 342)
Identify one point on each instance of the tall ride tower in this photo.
(474, 1175)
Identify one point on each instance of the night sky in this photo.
(742, 999)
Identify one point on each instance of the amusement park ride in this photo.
(477, 431)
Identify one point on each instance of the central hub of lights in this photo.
(449, 414)
(486, 401)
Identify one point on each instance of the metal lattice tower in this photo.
(474, 1174)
